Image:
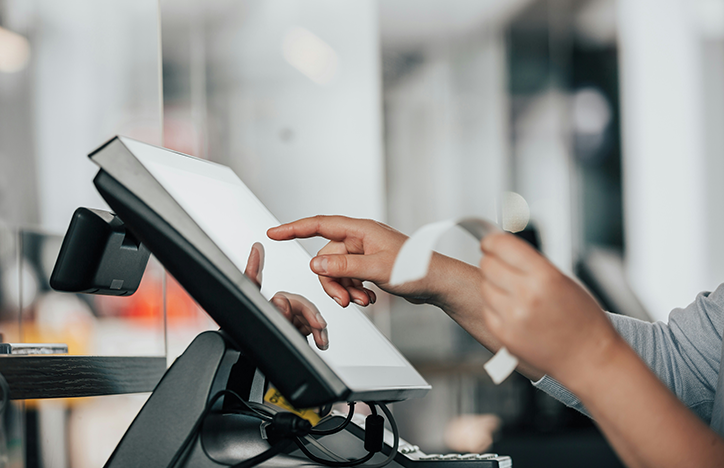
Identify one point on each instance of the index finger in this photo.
(335, 228)
(512, 250)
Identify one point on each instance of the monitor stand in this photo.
(210, 363)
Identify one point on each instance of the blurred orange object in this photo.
(471, 433)
(146, 304)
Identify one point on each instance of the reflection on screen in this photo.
(234, 219)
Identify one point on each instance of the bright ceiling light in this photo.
(591, 111)
(14, 51)
(310, 55)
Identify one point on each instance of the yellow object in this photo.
(275, 398)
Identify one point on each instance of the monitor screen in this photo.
(227, 220)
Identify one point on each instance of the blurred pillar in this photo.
(294, 103)
(664, 168)
(543, 174)
(446, 143)
(95, 75)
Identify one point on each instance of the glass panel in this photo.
(284, 93)
(72, 75)
(91, 71)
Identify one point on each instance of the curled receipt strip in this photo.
(413, 261)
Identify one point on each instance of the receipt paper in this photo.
(413, 261)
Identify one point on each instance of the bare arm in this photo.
(519, 299)
(646, 424)
(548, 320)
(453, 286)
(365, 250)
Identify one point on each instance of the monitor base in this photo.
(212, 363)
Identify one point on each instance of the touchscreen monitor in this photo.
(200, 220)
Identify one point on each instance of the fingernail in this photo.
(339, 301)
(321, 320)
(319, 264)
(325, 340)
(359, 303)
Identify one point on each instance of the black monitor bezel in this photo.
(212, 290)
(304, 378)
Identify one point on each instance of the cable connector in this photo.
(287, 425)
(374, 433)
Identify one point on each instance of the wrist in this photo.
(449, 282)
(584, 374)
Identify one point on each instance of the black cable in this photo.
(262, 408)
(368, 457)
(195, 429)
(252, 410)
(292, 431)
(395, 435)
(334, 430)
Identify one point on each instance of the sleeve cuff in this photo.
(560, 393)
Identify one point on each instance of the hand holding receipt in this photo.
(413, 262)
(366, 250)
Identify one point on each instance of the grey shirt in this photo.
(686, 354)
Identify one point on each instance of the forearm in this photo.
(454, 287)
(646, 424)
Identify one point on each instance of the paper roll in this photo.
(413, 261)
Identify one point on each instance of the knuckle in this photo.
(338, 265)
(548, 281)
(520, 311)
(292, 297)
(535, 295)
(308, 305)
(318, 220)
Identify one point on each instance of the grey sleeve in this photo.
(684, 353)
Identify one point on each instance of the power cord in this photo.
(287, 428)
(395, 435)
(334, 430)
(308, 438)
(319, 432)
(195, 429)
(374, 441)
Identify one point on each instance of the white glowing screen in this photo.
(229, 213)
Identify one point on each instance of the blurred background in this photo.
(591, 127)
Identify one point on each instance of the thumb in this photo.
(255, 264)
(373, 268)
